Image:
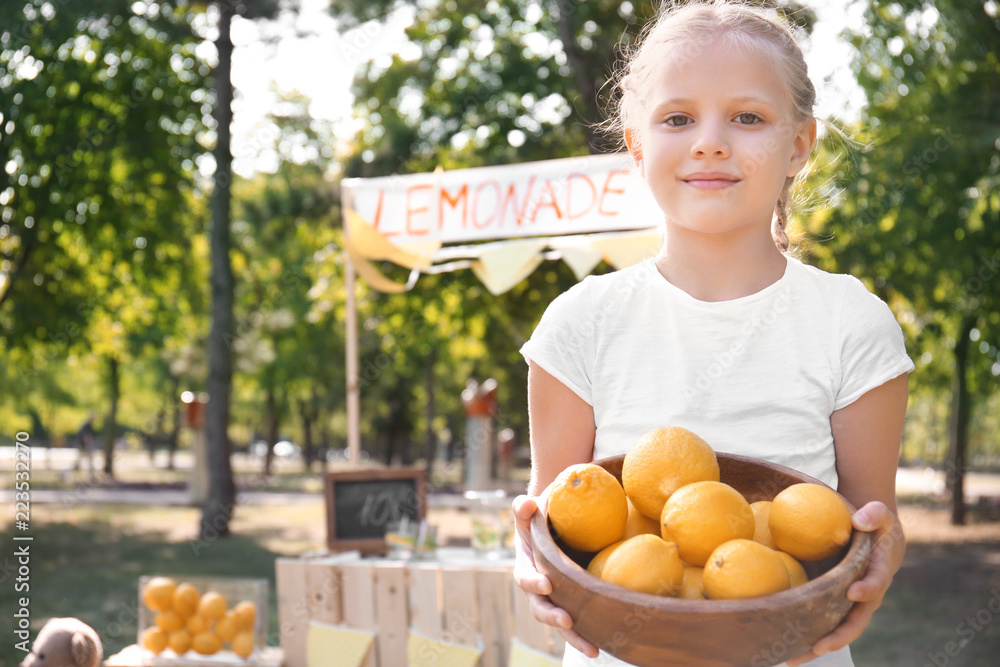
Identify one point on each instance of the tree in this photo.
(221, 501)
(98, 147)
(919, 214)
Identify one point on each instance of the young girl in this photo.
(722, 332)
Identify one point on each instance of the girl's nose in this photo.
(710, 141)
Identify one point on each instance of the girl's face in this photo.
(717, 137)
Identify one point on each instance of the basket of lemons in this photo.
(199, 620)
(676, 554)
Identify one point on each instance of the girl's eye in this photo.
(747, 118)
(677, 121)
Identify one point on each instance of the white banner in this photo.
(593, 193)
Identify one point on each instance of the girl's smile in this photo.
(713, 180)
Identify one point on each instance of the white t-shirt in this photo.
(758, 376)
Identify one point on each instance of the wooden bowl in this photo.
(649, 631)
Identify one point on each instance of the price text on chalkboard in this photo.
(362, 504)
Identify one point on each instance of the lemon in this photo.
(743, 568)
(185, 600)
(662, 461)
(226, 627)
(212, 606)
(701, 516)
(206, 643)
(153, 639)
(638, 524)
(179, 641)
(761, 532)
(245, 613)
(644, 563)
(158, 593)
(809, 521)
(796, 572)
(242, 644)
(169, 621)
(197, 624)
(587, 507)
(693, 586)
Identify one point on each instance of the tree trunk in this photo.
(175, 427)
(308, 416)
(271, 429)
(111, 425)
(958, 424)
(324, 443)
(221, 501)
(584, 77)
(430, 446)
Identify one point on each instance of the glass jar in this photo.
(492, 523)
(201, 620)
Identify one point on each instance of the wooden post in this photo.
(351, 350)
(358, 595)
(495, 613)
(293, 609)
(392, 613)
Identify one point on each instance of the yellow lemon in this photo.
(206, 643)
(153, 639)
(662, 461)
(743, 568)
(638, 524)
(197, 624)
(796, 572)
(185, 600)
(179, 641)
(693, 586)
(701, 516)
(212, 606)
(242, 644)
(226, 627)
(644, 563)
(761, 532)
(169, 621)
(158, 593)
(809, 521)
(587, 507)
(245, 613)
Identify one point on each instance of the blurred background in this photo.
(171, 267)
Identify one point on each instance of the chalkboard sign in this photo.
(361, 504)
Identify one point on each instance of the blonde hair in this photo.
(684, 26)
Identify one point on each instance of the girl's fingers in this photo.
(548, 613)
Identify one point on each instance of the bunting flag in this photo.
(582, 210)
(336, 646)
(422, 651)
(522, 655)
(504, 265)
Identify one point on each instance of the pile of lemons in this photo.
(188, 620)
(672, 528)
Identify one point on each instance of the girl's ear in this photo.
(802, 147)
(634, 147)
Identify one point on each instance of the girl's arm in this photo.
(562, 433)
(867, 436)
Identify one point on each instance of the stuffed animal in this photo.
(65, 642)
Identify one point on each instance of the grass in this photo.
(943, 609)
(86, 561)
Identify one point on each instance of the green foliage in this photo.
(107, 117)
(918, 216)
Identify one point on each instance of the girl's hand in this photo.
(535, 584)
(867, 593)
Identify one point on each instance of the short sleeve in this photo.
(872, 347)
(561, 346)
